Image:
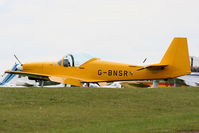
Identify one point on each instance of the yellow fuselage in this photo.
(98, 70)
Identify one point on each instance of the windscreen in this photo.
(81, 58)
(76, 59)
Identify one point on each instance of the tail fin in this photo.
(177, 57)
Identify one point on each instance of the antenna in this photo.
(17, 59)
(144, 60)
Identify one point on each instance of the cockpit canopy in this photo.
(74, 60)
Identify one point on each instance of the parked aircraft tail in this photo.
(9, 77)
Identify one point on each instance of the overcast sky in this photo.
(117, 30)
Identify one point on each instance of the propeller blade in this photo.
(17, 59)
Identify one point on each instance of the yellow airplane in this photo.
(79, 69)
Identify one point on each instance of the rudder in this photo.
(177, 57)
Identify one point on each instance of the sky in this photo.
(126, 31)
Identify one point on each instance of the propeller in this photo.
(19, 67)
(17, 59)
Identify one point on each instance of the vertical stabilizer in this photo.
(177, 57)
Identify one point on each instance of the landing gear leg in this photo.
(41, 83)
(155, 84)
(175, 83)
(88, 84)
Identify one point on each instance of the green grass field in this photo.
(99, 110)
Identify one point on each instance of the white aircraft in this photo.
(191, 79)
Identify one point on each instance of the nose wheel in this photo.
(41, 83)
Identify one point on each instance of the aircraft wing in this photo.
(60, 79)
(66, 80)
(153, 67)
(191, 79)
(33, 75)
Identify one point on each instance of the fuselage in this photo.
(98, 70)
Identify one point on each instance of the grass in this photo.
(99, 110)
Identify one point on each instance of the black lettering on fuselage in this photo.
(120, 72)
(99, 72)
(113, 72)
(109, 72)
(125, 73)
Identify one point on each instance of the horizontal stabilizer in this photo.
(10, 76)
(153, 67)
